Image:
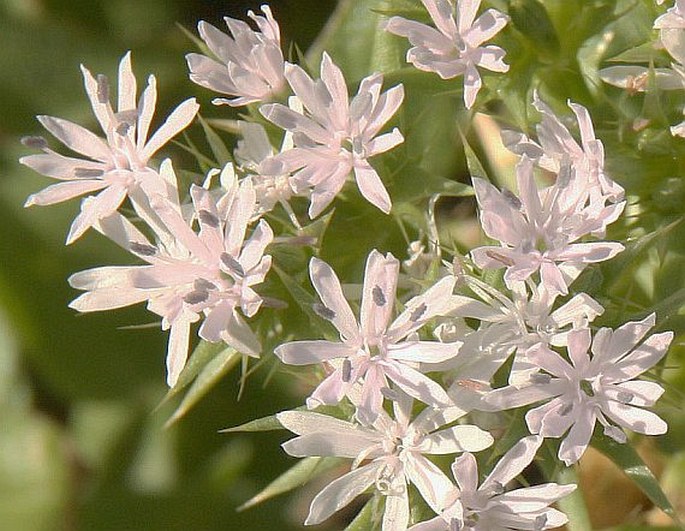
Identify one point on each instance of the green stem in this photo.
(573, 505)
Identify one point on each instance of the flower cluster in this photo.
(406, 364)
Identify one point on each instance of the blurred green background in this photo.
(81, 445)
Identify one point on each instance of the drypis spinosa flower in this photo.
(336, 136)
(557, 148)
(250, 63)
(539, 229)
(188, 275)
(374, 350)
(453, 48)
(388, 454)
(490, 507)
(271, 179)
(116, 166)
(593, 388)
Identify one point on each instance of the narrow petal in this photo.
(178, 120)
(308, 352)
(576, 442)
(342, 491)
(378, 294)
(514, 461)
(372, 188)
(328, 287)
(77, 138)
(461, 438)
(177, 351)
(634, 418)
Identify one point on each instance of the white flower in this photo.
(589, 389)
(490, 507)
(388, 454)
(518, 322)
(250, 65)
(374, 350)
(271, 179)
(539, 230)
(558, 148)
(116, 166)
(336, 136)
(637, 78)
(188, 275)
(454, 48)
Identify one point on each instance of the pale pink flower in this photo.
(557, 148)
(250, 63)
(490, 507)
(188, 275)
(637, 78)
(374, 351)
(116, 166)
(388, 455)
(336, 136)
(540, 229)
(515, 323)
(271, 179)
(674, 18)
(593, 388)
(454, 48)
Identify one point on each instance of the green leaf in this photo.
(634, 249)
(219, 149)
(531, 18)
(472, 161)
(269, 423)
(573, 505)
(201, 356)
(210, 374)
(295, 477)
(367, 518)
(628, 460)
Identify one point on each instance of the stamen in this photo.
(540, 379)
(625, 396)
(323, 311)
(123, 129)
(209, 219)
(418, 312)
(195, 297)
(378, 296)
(87, 173)
(142, 249)
(512, 199)
(35, 142)
(232, 264)
(202, 284)
(540, 522)
(565, 409)
(346, 370)
(500, 258)
(497, 488)
(390, 394)
(103, 88)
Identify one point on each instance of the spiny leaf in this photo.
(295, 477)
(219, 149)
(269, 423)
(628, 460)
(367, 518)
(472, 161)
(201, 356)
(210, 374)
